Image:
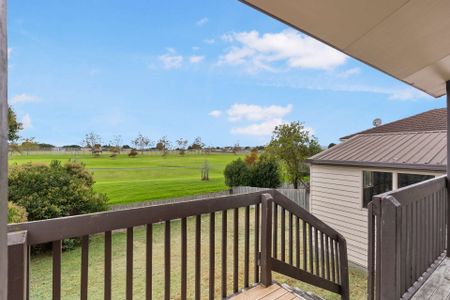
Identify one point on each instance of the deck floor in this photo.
(437, 286)
(275, 291)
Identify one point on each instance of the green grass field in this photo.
(146, 177)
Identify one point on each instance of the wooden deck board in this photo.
(437, 286)
(275, 291)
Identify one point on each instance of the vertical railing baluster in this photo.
(56, 249)
(235, 250)
(183, 258)
(108, 259)
(129, 275)
(198, 224)
(305, 246)
(167, 261)
(275, 231)
(212, 228)
(224, 254)
(311, 250)
(316, 250)
(266, 239)
(333, 266)
(256, 254)
(297, 241)
(283, 234)
(322, 255)
(327, 256)
(246, 247)
(84, 267)
(291, 243)
(149, 262)
(338, 263)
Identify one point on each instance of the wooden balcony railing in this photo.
(407, 238)
(319, 251)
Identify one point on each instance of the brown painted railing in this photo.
(254, 210)
(407, 238)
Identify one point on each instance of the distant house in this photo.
(345, 177)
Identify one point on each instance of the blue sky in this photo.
(216, 69)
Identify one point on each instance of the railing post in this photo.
(389, 271)
(266, 240)
(17, 265)
(447, 85)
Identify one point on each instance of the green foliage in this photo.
(14, 126)
(237, 173)
(293, 144)
(265, 173)
(55, 190)
(16, 213)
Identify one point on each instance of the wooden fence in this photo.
(298, 196)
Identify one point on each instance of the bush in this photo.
(55, 190)
(237, 173)
(133, 153)
(16, 213)
(266, 173)
(251, 158)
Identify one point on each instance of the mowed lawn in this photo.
(145, 177)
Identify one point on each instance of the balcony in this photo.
(269, 234)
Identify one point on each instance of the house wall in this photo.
(336, 198)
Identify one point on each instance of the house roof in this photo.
(420, 150)
(405, 39)
(432, 120)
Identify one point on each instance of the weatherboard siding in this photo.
(336, 199)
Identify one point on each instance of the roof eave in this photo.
(419, 167)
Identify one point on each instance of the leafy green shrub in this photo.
(265, 173)
(16, 213)
(237, 173)
(55, 190)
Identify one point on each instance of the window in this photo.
(375, 183)
(408, 179)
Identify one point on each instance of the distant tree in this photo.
(163, 145)
(237, 148)
(45, 146)
(92, 141)
(331, 145)
(116, 144)
(197, 144)
(293, 144)
(237, 173)
(14, 126)
(205, 171)
(182, 145)
(71, 147)
(28, 145)
(126, 147)
(141, 142)
(251, 158)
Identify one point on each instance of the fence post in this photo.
(266, 240)
(389, 257)
(17, 265)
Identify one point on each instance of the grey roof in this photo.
(408, 150)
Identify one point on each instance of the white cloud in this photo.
(286, 49)
(26, 121)
(215, 113)
(209, 41)
(202, 21)
(260, 129)
(196, 59)
(350, 72)
(195, 48)
(23, 98)
(251, 112)
(171, 60)
(407, 94)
